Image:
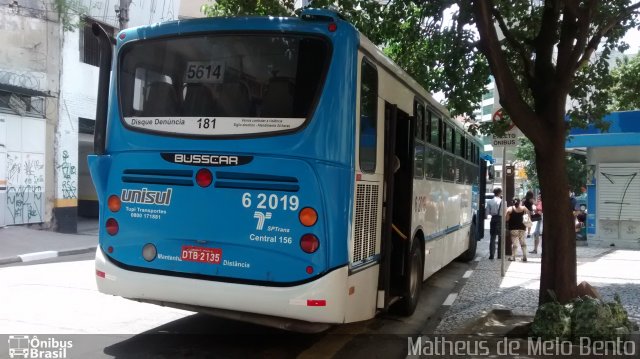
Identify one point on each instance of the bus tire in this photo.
(413, 281)
(470, 253)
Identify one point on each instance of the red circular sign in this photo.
(499, 116)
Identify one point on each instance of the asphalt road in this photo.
(58, 298)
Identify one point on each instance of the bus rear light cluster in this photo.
(308, 216)
(309, 243)
(332, 27)
(204, 177)
(112, 226)
(114, 203)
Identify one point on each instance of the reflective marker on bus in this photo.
(243, 158)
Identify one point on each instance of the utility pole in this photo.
(122, 13)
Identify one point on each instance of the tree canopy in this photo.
(549, 59)
(626, 84)
(576, 166)
(438, 51)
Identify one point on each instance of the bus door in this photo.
(384, 279)
(401, 235)
(396, 225)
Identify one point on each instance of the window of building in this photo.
(11, 102)
(368, 116)
(86, 125)
(486, 110)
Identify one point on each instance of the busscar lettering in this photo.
(205, 159)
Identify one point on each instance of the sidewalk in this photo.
(24, 244)
(608, 269)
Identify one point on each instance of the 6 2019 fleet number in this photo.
(272, 201)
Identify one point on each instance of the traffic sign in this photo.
(510, 138)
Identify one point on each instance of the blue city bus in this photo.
(282, 171)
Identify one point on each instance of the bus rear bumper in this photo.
(319, 301)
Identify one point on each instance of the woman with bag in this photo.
(517, 216)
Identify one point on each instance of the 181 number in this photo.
(272, 201)
(206, 123)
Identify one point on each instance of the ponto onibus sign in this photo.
(510, 138)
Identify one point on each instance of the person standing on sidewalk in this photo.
(494, 208)
(537, 233)
(517, 228)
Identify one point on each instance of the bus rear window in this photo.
(221, 84)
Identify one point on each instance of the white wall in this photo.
(29, 60)
(25, 169)
(628, 154)
(78, 93)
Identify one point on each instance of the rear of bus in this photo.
(227, 166)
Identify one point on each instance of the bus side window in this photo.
(435, 130)
(418, 112)
(443, 136)
(427, 126)
(368, 116)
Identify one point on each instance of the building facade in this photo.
(48, 87)
(613, 182)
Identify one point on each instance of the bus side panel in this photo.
(361, 298)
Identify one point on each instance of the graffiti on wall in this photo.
(25, 188)
(620, 226)
(68, 173)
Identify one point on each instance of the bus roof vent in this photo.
(324, 15)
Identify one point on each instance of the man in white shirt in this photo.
(495, 209)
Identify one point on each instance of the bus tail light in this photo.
(114, 203)
(112, 226)
(332, 27)
(204, 177)
(316, 302)
(309, 243)
(308, 216)
(101, 274)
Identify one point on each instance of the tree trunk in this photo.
(558, 270)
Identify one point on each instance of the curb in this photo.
(36, 256)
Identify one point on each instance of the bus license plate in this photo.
(201, 254)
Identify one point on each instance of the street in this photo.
(58, 297)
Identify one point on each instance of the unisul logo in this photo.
(34, 348)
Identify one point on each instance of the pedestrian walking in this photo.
(517, 228)
(537, 221)
(494, 208)
(529, 202)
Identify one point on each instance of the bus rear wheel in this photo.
(470, 253)
(413, 281)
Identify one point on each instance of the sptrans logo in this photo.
(24, 346)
